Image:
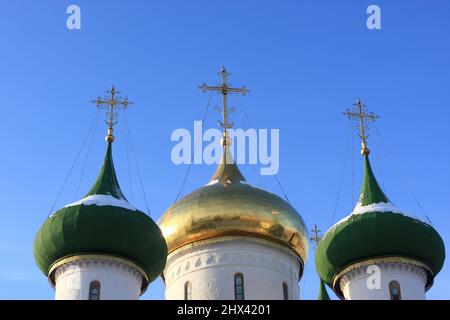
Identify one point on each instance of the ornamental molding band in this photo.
(111, 262)
(223, 251)
(385, 264)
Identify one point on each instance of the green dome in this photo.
(376, 229)
(104, 223)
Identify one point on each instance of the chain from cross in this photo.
(111, 103)
(362, 114)
(224, 89)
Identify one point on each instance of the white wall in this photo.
(119, 280)
(210, 266)
(412, 280)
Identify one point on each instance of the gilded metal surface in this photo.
(224, 89)
(316, 238)
(381, 260)
(69, 259)
(361, 113)
(231, 207)
(234, 209)
(111, 102)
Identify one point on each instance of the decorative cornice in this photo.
(61, 265)
(347, 273)
(186, 260)
(241, 238)
(391, 266)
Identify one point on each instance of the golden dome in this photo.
(229, 206)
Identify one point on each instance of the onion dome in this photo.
(103, 223)
(377, 229)
(229, 206)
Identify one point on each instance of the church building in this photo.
(229, 240)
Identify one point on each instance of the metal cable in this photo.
(275, 176)
(74, 163)
(136, 162)
(86, 159)
(281, 188)
(380, 172)
(258, 176)
(343, 172)
(128, 164)
(403, 178)
(193, 153)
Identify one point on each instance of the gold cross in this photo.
(360, 111)
(224, 89)
(316, 238)
(111, 103)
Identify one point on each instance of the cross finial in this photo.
(111, 103)
(224, 89)
(316, 238)
(224, 75)
(360, 112)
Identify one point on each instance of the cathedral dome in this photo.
(104, 223)
(229, 206)
(376, 229)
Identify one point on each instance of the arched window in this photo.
(187, 291)
(239, 286)
(94, 290)
(394, 290)
(285, 291)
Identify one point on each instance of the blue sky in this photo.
(305, 63)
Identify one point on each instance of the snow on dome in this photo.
(378, 207)
(102, 200)
(228, 181)
(212, 182)
(384, 207)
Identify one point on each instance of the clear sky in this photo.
(305, 63)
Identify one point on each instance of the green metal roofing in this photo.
(370, 190)
(106, 182)
(323, 293)
(375, 234)
(102, 229)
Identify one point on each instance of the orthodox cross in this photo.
(360, 111)
(224, 89)
(111, 103)
(316, 238)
